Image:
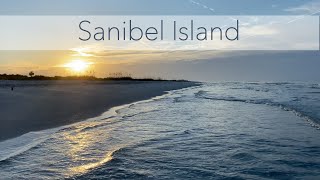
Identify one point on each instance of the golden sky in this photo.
(90, 63)
(190, 65)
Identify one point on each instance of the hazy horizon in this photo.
(197, 66)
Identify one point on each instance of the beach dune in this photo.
(38, 105)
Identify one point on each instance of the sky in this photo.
(157, 7)
(191, 65)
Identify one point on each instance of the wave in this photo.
(314, 122)
(84, 168)
(14, 147)
(107, 166)
(17, 146)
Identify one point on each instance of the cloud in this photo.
(312, 7)
(202, 5)
(259, 30)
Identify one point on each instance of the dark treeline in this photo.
(115, 77)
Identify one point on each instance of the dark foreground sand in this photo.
(34, 106)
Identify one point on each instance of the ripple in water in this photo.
(216, 131)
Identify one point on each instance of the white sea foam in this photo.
(16, 146)
(182, 131)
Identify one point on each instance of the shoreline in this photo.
(20, 144)
(40, 106)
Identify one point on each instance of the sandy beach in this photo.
(38, 105)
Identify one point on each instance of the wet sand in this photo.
(39, 105)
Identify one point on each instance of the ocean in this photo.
(226, 130)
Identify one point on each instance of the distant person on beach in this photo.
(12, 87)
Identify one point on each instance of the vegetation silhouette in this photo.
(111, 77)
(31, 73)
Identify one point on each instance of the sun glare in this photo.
(78, 66)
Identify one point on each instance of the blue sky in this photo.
(202, 66)
(156, 7)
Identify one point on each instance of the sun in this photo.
(78, 66)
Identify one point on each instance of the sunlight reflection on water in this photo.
(211, 132)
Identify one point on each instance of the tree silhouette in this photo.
(31, 73)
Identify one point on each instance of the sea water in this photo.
(213, 131)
